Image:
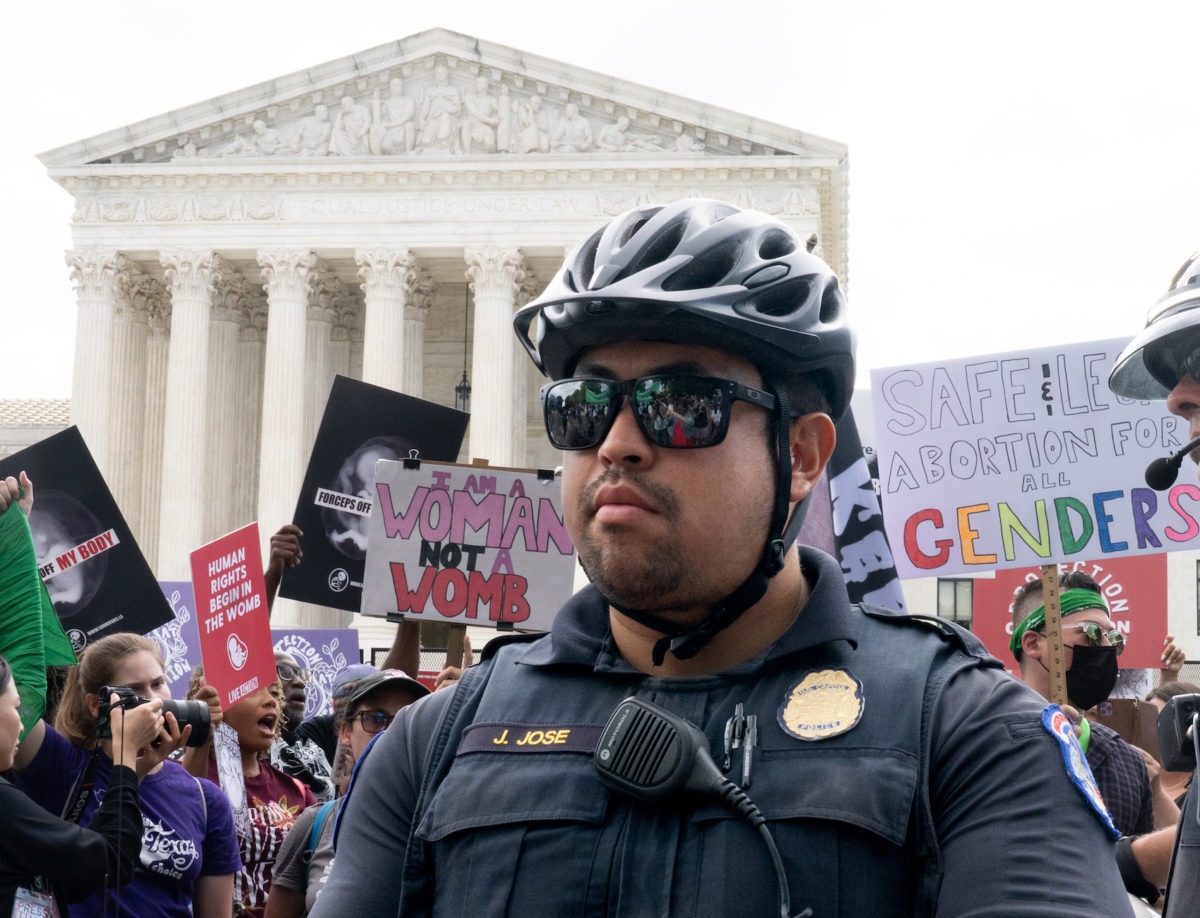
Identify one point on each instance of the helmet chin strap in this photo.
(686, 641)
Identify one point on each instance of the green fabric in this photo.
(1075, 599)
(31, 636)
(1085, 734)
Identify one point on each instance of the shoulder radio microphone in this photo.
(650, 754)
(1161, 473)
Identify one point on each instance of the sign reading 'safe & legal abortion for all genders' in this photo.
(1024, 459)
(467, 545)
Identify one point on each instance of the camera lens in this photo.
(194, 713)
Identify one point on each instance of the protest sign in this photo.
(232, 617)
(362, 424)
(1135, 589)
(324, 652)
(1023, 459)
(95, 573)
(468, 545)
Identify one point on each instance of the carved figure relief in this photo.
(533, 126)
(439, 114)
(394, 125)
(617, 138)
(573, 133)
(442, 113)
(481, 120)
(312, 133)
(348, 136)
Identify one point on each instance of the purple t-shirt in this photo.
(184, 836)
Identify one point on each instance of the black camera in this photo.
(186, 712)
(1176, 745)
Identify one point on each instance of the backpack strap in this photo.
(315, 834)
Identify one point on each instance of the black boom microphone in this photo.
(1161, 473)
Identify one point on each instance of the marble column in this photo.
(495, 277)
(185, 485)
(158, 321)
(526, 290)
(345, 320)
(416, 311)
(227, 404)
(248, 368)
(326, 290)
(282, 454)
(127, 397)
(96, 276)
(388, 278)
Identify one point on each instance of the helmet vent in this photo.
(658, 250)
(831, 302)
(775, 244)
(585, 264)
(630, 231)
(711, 270)
(778, 300)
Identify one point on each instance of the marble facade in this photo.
(231, 256)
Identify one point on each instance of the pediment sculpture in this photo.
(443, 116)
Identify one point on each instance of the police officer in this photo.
(899, 770)
(1163, 362)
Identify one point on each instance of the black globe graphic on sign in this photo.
(67, 533)
(347, 532)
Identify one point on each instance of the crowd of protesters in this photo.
(941, 794)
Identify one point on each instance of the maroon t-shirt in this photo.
(273, 801)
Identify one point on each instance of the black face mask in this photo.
(1092, 675)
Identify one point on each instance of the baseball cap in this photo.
(346, 679)
(364, 687)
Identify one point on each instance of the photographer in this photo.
(189, 849)
(43, 857)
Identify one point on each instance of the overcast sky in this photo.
(1020, 176)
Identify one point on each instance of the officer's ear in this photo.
(811, 438)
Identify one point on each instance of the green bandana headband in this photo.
(1072, 600)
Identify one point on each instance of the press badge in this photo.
(28, 903)
(1059, 726)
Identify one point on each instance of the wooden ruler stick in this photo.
(1053, 628)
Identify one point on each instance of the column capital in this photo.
(527, 287)
(235, 296)
(328, 292)
(494, 271)
(253, 326)
(158, 316)
(420, 298)
(97, 274)
(138, 297)
(382, 271)
(285, 271)
(190, 273)
(347, 317)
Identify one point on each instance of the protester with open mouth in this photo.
(273, 799)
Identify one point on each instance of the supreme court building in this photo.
(381, 217)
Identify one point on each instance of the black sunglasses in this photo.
(673, 410)
(374, 721)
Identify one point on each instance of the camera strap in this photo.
(77, 799)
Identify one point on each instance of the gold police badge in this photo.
(824, 703)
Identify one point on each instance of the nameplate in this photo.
(511, 737)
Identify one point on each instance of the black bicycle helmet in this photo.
(1151, 363)
(698, 272)
(707, 273)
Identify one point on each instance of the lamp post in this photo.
(462, 392)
